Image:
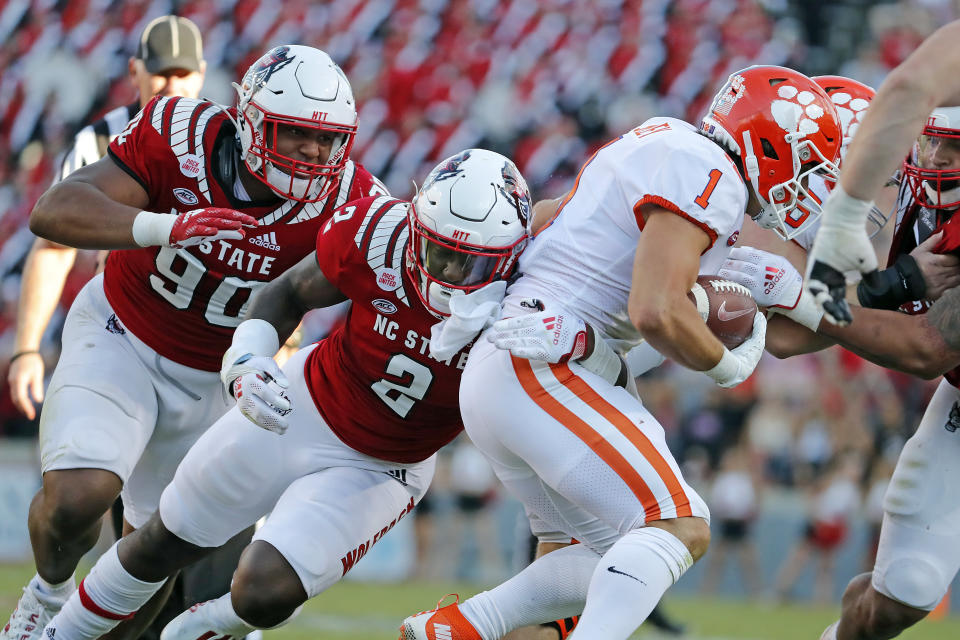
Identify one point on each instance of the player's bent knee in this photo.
(152, 552)
(913, 581)
(697, 537)
(266, 591)
(881, 618)
(74, 500)
(692, 531)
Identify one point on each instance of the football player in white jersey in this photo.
(648, 212)
(917, 557)
(926, 79)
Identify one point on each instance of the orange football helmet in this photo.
(851, 98)
(784, 128)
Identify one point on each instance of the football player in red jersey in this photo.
(918, 553)
(339, 445)
(209, 204)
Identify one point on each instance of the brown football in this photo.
(727, 308)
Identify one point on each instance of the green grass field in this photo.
(364, 611)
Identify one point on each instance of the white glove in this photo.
(773, 282)
(841, 245)
(553, 335)
(251, 375)
(737, 364)
(258, 385)
(469, 315)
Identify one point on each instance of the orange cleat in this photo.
(442, 623)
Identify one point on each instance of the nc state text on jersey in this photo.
(390, 329)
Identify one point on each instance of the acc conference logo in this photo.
(384, 306)
(185, 196)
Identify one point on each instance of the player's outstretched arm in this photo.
(925, 80)
(44, 274)
(100, 206)
(249, 372)
(284, 300)
(944, 315)
(912, 344)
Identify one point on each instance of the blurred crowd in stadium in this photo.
(545, 83)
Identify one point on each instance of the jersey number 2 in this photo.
(400, 397)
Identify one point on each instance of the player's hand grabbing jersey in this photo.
(373, 379)
(586, 252)
(184, 303)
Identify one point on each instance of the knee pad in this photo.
(915, 582)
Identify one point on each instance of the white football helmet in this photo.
(468, 226)
(299, 86)
(932, 169)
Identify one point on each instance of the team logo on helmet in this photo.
(516, 189)
(728, 96)
(271, 62)
(797, 111)
(449, 169)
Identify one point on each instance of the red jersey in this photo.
(914, 225)
(185, 303)
(373, 379)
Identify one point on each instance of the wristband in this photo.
(725, 370)
(805, 312)
(20, 354)
(845, 210)
(895, 285)
(153, 229)
(253, 337)
(604, 361)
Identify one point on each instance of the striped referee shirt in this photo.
(90, 143)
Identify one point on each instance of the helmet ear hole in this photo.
(768, 149)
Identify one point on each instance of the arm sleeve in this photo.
(135, 149)
(336, 251)
(700, 184)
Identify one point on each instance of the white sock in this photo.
(553, 586)
(629, 581)
(217, 615)
(104, 599)
(52, 595)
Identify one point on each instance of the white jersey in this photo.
(583, 258)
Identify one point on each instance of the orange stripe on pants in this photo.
(605, 450)
(630, 431)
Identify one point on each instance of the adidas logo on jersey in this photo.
(267, 241)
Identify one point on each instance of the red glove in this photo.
(212, 223)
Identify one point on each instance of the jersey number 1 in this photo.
(704, 198)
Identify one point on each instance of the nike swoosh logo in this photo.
(617, 571)
(725, 315)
